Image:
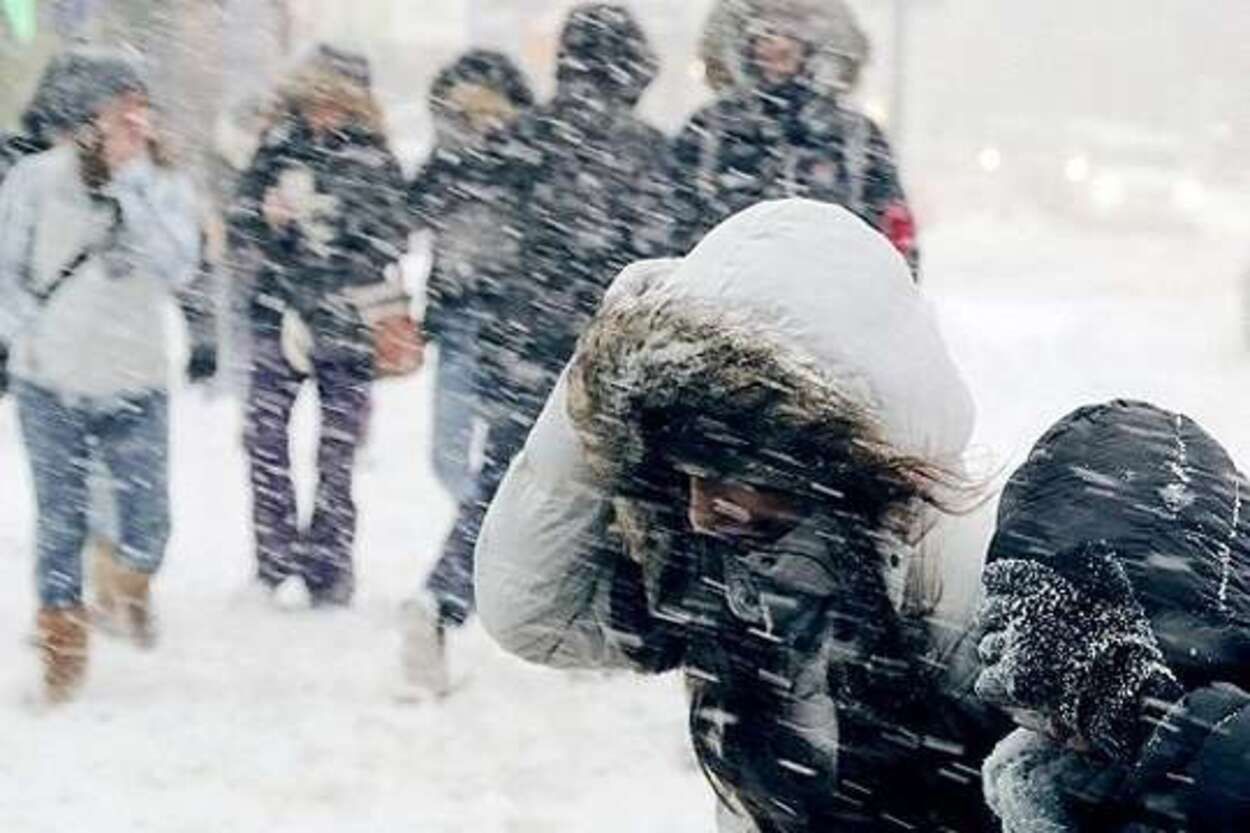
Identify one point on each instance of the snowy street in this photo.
(247, 717)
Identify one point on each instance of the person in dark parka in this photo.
(476, 241)
(589, 179)
(1117, 629)
(323, 203)
(781, 127)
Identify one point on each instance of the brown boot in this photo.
(63, 646)
(104, 578)
(133, 591)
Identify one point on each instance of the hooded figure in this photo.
(842, 52)
(96, 234)
(779, 128)
(476, 242)
(740, 476)
(323, 203)
(1118, 621)
(588, 178)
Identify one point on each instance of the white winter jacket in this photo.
(102, 333)
(834, 294)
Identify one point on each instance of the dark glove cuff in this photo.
(1125, 684)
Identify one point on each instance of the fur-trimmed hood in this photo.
(460, 87)
(838, 46)
(795, 307)
(794, 334)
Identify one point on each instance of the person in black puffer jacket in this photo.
(781, 126)
(588, 176)
(323, 201)
(476, 239)
(1117, 629)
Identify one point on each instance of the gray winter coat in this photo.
(102, 333)
(800, 317)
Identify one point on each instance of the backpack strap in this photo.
(45, 294)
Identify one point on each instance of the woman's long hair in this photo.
(319, 83)
(93, 168)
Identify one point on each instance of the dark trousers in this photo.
(322, 554)
(451, 582)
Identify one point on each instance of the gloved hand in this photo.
(202, 365)
(1075, 648)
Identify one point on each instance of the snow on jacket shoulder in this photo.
(836, 295)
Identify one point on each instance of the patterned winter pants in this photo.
(322, 554)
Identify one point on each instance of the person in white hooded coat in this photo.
(743, 473)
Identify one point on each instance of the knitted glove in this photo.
(1075, 648)
(202, 365)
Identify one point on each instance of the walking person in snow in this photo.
(49, 121)
(589, 181)
(94, 234)
(323, 201)
(743, 475)
(780, 127)
(1117, 629)
(476, 240)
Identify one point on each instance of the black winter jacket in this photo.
(1170, 503)
(356, 227)
(589, 181)
(473, 215)
(790, 141)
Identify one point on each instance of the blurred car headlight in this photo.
(1107, 192)
(990, 159)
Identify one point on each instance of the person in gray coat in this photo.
(746, 473)
(95, 235)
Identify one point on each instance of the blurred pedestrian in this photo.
(323, 202)
(1117, 629)
(781, 126)
(747, 473)
(589, 178)
(95, 233)
(476, 240)
(839, 58)
(44, 121)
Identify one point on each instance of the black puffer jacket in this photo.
(797, 138)
(473, 215)
(355, 226)
(1167, 500)
(589, 178)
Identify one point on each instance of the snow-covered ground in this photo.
(249, 718)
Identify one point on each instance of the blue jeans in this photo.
(451, 580)
(455, 410)
(130, 438)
